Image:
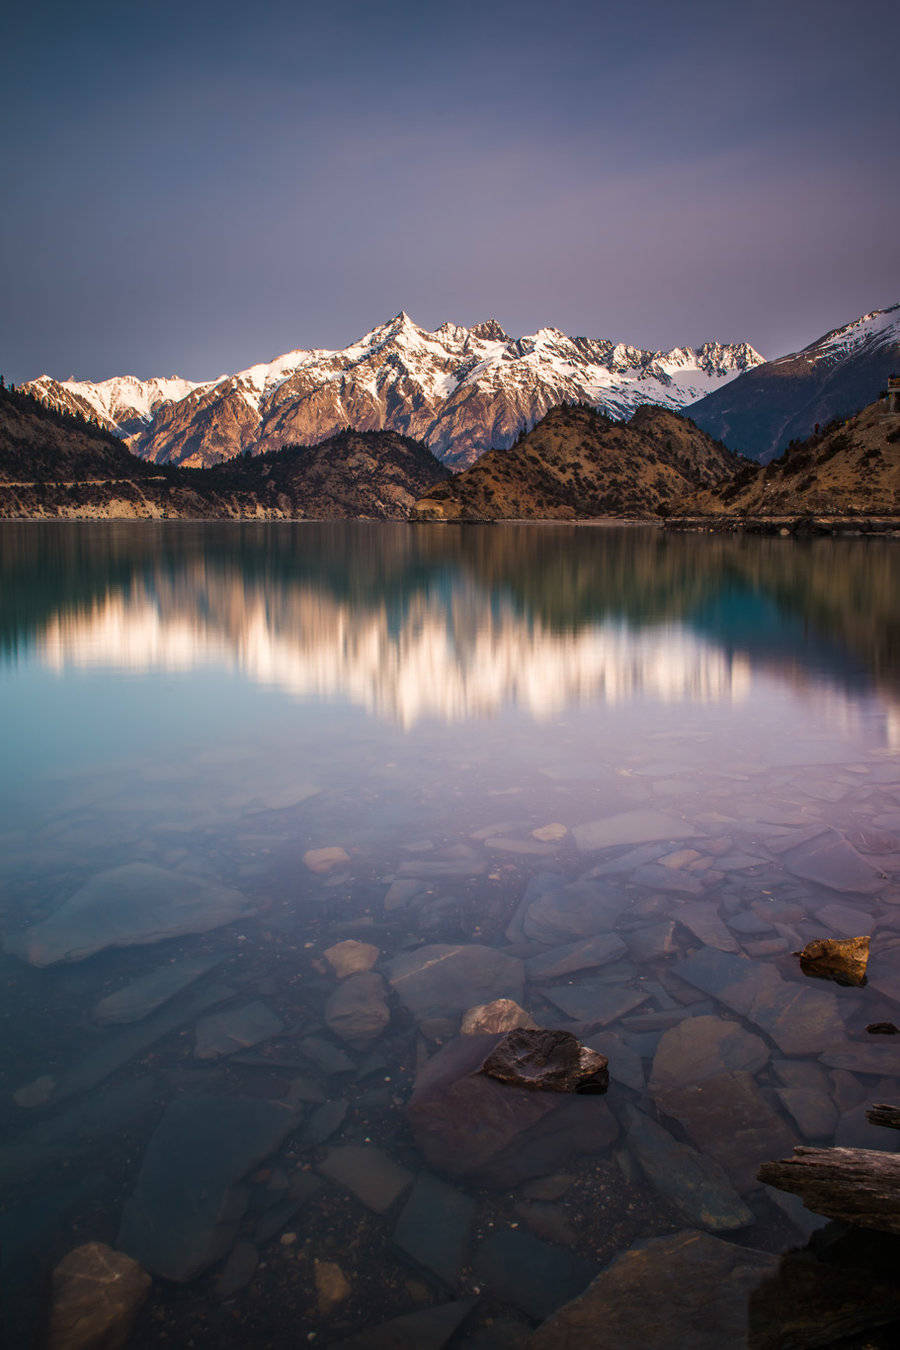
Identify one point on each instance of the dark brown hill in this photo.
(850, 469)
(57, 465)
(576, 463)
(37, 443)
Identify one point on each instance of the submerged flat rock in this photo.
(696, 1185)
(631, 827)
(830, 861)
(224, 1033)
(144, 995)
(802, 1019)
(444, 979)
(129, 906)
(687, 1289)
(187, 1203)
(580, 910)
(428, 1329)
(434, 1224)
(701, 1047)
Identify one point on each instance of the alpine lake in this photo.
(281, 804)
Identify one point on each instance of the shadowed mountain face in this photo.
(576, 463)
(851, 469)
(764, 409)
(460, 390)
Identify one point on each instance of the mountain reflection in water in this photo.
(455, 622)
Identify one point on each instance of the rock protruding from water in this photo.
(843, 960)
(686, 1289)
(97, 1293)
(468, 1124)
(493, 1019)
(547, 1061)
(129, 906)
(187, 1203)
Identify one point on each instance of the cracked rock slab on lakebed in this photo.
(580, 910)
(801, 1018)
(144, 995)
(434, 1224)
(369, 1174)
(188, 1202)
(535, 1276)
(701, 1047)
(830, 861)
(687, 1289)
(696, 1185)
(129, 906)
(444, 979)
(224, 1033)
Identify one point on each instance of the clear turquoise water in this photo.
(215, 701)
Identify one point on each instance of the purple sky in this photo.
(191, 188)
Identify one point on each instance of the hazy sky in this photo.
(189, 188)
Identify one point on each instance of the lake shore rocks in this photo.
(685, 1289)
(843, 960)
(97, 1293)
(547, 1061)
(187, 1203)
(828, 860)
(129, 906)
(444, 979)
(631, 827)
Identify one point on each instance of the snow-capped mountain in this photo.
(124, 404)
(461, 390)
(782, 400)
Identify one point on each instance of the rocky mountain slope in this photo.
(850, 468)
(768, 406)
(460, 390)
(57, 465)
(578, 463)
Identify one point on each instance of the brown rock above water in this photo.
(96, 1295)
(547, 1061)
(489, 1019)
(843, 960)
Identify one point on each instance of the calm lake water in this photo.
(618, 776)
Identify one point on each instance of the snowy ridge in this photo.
(461, 390)
(879, 329)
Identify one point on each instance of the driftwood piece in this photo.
(883, 1114)
(857, 1185)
